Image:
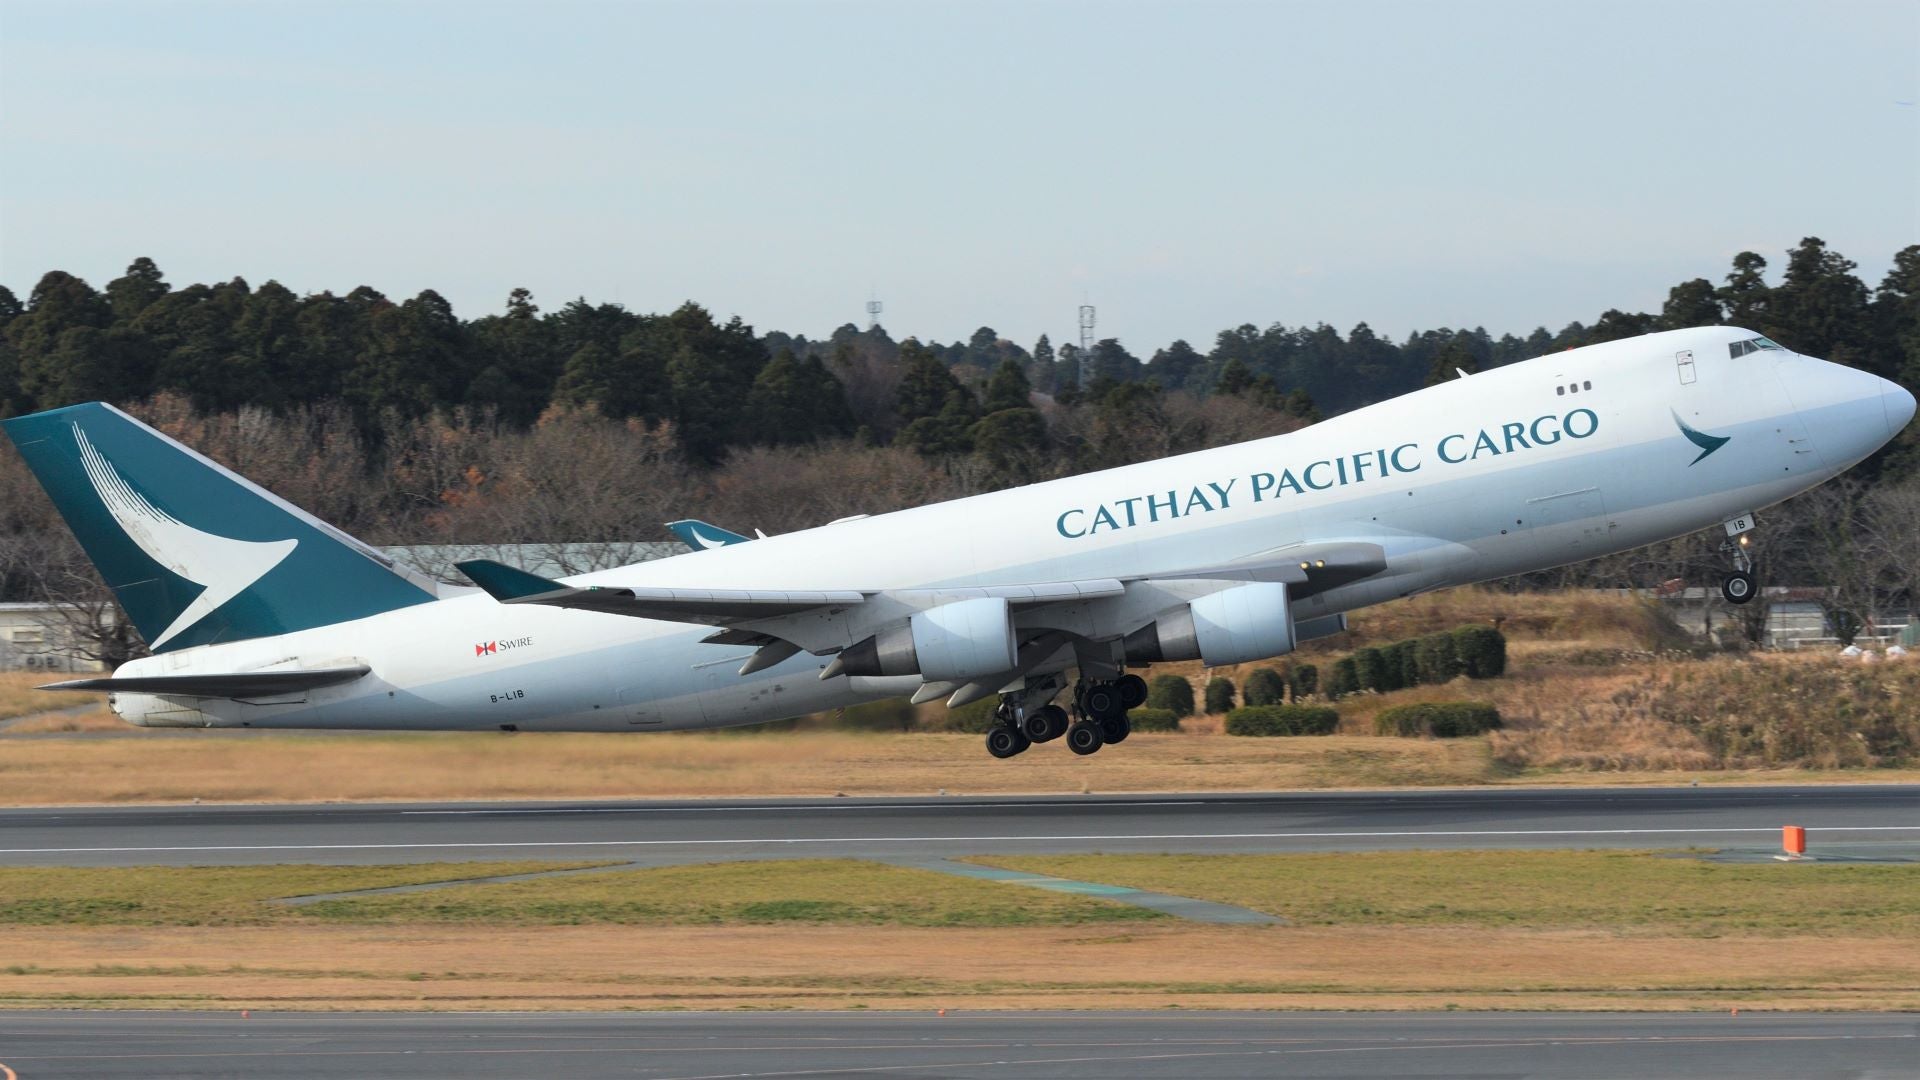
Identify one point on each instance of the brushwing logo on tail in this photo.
(1707, 443)
(707, 543)
(222, 566)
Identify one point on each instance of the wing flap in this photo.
(237, 684)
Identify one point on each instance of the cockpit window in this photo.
(1742, 348)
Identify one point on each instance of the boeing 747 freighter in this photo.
(260, 615)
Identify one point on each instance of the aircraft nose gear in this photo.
(1740, 585)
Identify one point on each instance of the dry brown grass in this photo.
(19, 698)
(312, 768)
(1587, 699)
(1144, 966)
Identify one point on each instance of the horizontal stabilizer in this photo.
(239, 684)
(712, 607)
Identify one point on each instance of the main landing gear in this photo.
(1098, 716)
(1739, 585)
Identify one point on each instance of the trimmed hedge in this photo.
(1370, 669)
(1435, 660)
(1303, 681)
(1151, 719)
(1265, 686)
(1344, 680)
(1219, 694)
(1478, 652)
(1282, 720)
(1403, 663)
(1483, 651)
(1172, 693)
(1437, 720)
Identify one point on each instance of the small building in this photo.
(40, 637)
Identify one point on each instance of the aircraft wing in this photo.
(713, 607)
(1309, 567)
(701, 536)
(725, 607)
(238, 684)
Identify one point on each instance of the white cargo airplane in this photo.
(260, 615)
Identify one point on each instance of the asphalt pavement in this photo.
(1004, 1046)
(1862, 818)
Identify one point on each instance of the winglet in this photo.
(701, 536)
(503, 582)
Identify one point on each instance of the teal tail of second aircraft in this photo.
(195, 553)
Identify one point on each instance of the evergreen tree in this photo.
(138, 289)
(1691, 303)
(519, 364)
(1044, 366)
(706, 404)
(1820, 307)
(587, 378)
(1744, 296)
(1234, 379)
(1455, 354)
(1111, 361)
(1008, 388)
(59, 302)
(1614, 325)
(1067, 388)
(1177, 366)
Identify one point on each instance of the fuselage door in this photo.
(1684, 361)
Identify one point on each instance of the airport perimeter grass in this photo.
(1392, 930)
(1623, 892)
(824, 891)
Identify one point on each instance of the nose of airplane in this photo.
(1897, 400)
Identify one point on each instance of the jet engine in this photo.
(1232, 626)
(958, 642)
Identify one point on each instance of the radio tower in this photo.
(873, 314)
(1086, 340)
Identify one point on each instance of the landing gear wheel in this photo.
(1133, 691)
(1117, 729)
(1101, 701)
(1738, 587)
(1004, 742)
(1085, 738)
(1045, 724)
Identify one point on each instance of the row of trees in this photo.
(404, 424)
(724, 387)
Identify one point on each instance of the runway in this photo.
(1861, 817)
(684, 1046)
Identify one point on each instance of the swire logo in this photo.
(500, 645)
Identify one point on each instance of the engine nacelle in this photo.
(958, 642)
(1232, 626)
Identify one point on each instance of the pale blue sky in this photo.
(1185, 167)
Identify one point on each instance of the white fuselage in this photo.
(1541, 463)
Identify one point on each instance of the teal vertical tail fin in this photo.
(195, 553)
